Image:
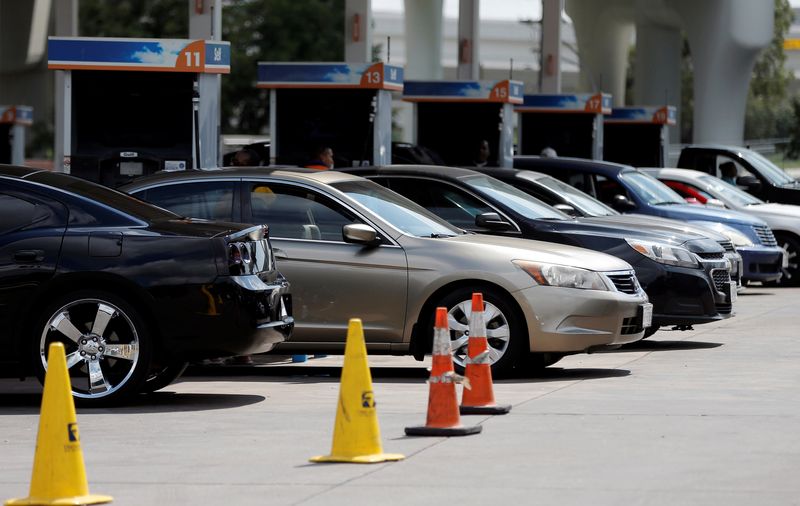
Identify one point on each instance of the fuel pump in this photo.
(344, 106)
(572, 125)
(456, 119)
(638, 136)
(137, 106)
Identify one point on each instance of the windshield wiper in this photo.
(666, 202)
(434, 235)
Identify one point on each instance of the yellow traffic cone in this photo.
(356, 435)
(59, 476)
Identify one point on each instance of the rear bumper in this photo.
(235, 315)
(761, 263)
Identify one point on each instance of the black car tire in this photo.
(538, 361)
(649, 331)
(163, 376)
(121, 345)
(506, 353)
(791, 248)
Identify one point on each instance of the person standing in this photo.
(322, 159)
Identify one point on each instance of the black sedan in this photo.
(685, 276)
(132, 290)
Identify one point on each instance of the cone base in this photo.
(359, 459)
(443, 431)
(496, 409)
(63, 501)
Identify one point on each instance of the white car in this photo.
(783, 219)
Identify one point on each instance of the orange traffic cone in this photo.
(59, 476)
(443, 418)
(479, 400)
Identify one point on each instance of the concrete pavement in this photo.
(701, 417)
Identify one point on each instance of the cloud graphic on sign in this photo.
(343, 75)
(161, 53)
(473, 91)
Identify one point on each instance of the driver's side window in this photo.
(297, 213)
(607, 189)
(726, 163)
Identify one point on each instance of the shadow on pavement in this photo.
(656, 345)
(305, 374)
(560, 374)
(29, 403)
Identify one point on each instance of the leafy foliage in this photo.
(258, 30)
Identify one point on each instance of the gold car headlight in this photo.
(562, 275)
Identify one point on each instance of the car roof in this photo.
(580, 164)
(674, 172)
(294, 174)
(18, 171)
(417, 170)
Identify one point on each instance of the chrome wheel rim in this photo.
(498, 332)
(789, 266)
(101, 344)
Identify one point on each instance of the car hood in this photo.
(622, 230)
(783, 210)
(656, 224)
(699, 213)
(512, 248)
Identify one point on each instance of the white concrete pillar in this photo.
(657, 70)
(205, 23)
(205, 19)
(66, 21)
(725, 37)
(358, 31)
(423, 25)
(604, 32)
(468, 40)
(550, 57)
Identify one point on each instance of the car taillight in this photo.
(235, 259)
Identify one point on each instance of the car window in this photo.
(728, 193)
(768, 170)
(608, 188)
(442, 199)
(297, 213)
(519, 201)
(19, 212)
(584, 203)
(650, 189)
(398, 211)
(686, 190)
(120, 202)
(206, 200)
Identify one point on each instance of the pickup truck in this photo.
(755, 174)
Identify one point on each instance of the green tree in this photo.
(258, 30)
(769, 113)
(160, 19)
(273, 30)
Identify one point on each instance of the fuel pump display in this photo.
(572, 125)
(137, 106)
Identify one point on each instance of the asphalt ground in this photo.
(707, 417)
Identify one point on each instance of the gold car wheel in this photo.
(498, 331)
